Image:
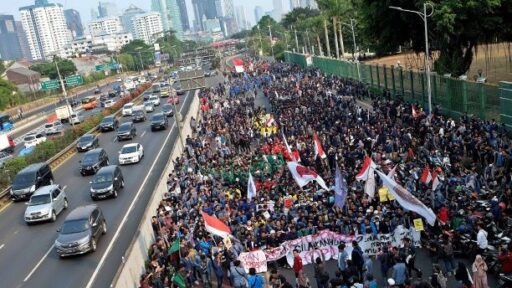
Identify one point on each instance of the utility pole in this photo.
(270, 36)
(296, 40)
(327, 39)
(335, 37)
(342, 46)
(351, 25)
(309, 42)
(65, 93)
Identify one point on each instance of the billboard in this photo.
(158, 60)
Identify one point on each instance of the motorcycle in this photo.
(505, 280)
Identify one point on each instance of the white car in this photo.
(45, 204)
(154, 98)
(75, 118)
(33, 139)
(53, 128)
(131, 153)
(108, 103)
(149, 106)
(127, 109)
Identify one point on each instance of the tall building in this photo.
(102, 26)
(45, 28)
(185, 23)
(94, 14)
(41, 2)
(107, 9)
(170, 14)
(308, 4)
(147, 27)
(278, 11)
(74, 23)
(241, 18)
(22, 39)
(226, 14)
(258, 13)
(294, 4)
(203, 8)
(10, 48)
(126, 18)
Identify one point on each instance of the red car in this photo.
(173, 100)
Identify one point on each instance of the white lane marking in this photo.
(2, 246)
(116, 235)
(39, 263)
(65, 186)
(115, 139)
(143, 133)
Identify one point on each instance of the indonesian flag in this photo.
(216, 226)
(365, 169)
(296, 154)
(292, 155)
(415, 113)
(435, 181)
(304, 175)
(270, 120)
(426, 177)
(407, 200)
(239, 65)
(251, 188)
(319, 151)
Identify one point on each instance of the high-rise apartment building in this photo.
(126, 18)
(170, 14)
(308, 4)
(147, 27)
(278, 11)
(10, 48)
(294, 4)
(258, 13)
(74, 23)
(241, 18)
(22, 39)
(185, 23)
(45, 28)
(107, 9)
(203, 9)
(102, 26)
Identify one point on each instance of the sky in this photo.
(85, 6)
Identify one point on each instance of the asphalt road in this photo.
(27, 255)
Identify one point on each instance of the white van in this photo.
(76, 118)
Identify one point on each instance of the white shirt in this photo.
(481, 239)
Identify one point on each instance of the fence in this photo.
(454, 96)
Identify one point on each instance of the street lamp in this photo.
(424, 17)
(351, 25)
(65, 93)
(270, 35)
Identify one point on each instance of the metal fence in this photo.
(454, 96)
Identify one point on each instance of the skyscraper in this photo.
(22, 39)
(226, 14)
(294, 4)
(94, 14)
(45, 28)
(170, 14)
(185, 24)
(107, 9)
(147, 27)
(241, 18)
(258, 13)
(277, 13)
(74, 23)
(41, 2)
(105, 26)
(206, 9)
(10, 48)
(126, 18)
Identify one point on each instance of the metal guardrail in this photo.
(69, 150)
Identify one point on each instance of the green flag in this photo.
(179, 280)
(175, 246)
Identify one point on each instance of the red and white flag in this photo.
(435, 180)
(415, 113)
(292, 155)
(365, 169)
(426, 177)
(319, 151)
(304, 175)
(216, 226)
(239, 65)
(407, 200)
(296, 154)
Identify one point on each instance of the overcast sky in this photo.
(85, 6)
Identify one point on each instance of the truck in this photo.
(63, 113)
(6, 143)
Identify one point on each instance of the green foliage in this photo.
(10, 169)
(241, 35)
(127, 61)
(94, 77)
(298, 15)
(140, 51)
(9, 95)
(66, 67)
(216, 63)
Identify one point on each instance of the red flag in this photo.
(216, 226)
(319, 151)
(304, 175)
(435, 180)
(363, 173)
(426, 177)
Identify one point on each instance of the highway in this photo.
(27, 255)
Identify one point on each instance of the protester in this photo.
(462, 276)
(238, 275)
(254, 280)
(479, 269)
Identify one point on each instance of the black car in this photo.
(159, 122)
(126, 131)
(103, 98)
(93, 160)
(138, 116)
(113, 94)
(97, 91)
(107, 182)
(28, 180)
(146, 95)
(80, 231)
(87, 142)
(109, 123)
(168, 110)
(179, 91)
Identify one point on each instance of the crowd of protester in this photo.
(472, 157)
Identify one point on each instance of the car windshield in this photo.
(24, 179)
(158, 117)
(86, 138)
(75, 226)
(167, 107)
(102, 178)
(90, 159)
(29, 138)
(124, 128)
(40, 200)
(50, 125)
(128, 149)
(137, 113)
(107, 120)
(128, 106)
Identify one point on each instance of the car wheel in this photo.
(54, 216)
(104, 228)
(93, 198)
(66, 204)
(114, 193)
(93, 245)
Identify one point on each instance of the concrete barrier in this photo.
(132, 268)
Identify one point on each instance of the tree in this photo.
(241, 35)
(127, 61)
(9, 95)
(66, 68)
(140, 51)
(298, 15)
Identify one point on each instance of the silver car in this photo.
(53, 128)
(45, 204)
